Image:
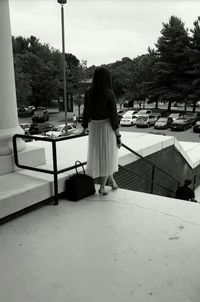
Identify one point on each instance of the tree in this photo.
(171, 68)
(81, 78)
(121, 71)
(194, 64)
(23, 87)
(38, 71)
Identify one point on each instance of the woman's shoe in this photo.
(114, 187)
(102, 192)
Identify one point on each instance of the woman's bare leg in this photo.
(113, 182)
(102, 185)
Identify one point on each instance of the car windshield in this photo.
(163, 119)
(180, 120)
(128, 112)
(142, 112)
(174, 115)
(142, 118)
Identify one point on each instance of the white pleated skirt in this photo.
(102, 157)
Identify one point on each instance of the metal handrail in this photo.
(55, 170)
(149, 181)
(149, 162)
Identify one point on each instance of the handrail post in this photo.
(55, 172)
(194, 182)
(152, 178)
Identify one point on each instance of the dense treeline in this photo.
(170, 72)
(39, 72)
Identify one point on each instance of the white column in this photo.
(8, 106)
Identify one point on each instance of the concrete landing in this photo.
(25, 188)
(127, 246)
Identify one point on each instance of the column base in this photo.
(32, 156)
(6, 144)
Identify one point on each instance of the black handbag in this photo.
(79, 185)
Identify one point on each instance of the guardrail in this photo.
(153, 172)
(55, 170)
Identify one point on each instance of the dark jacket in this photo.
(100, 108)
(185, 193)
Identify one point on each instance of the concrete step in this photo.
(22, 189)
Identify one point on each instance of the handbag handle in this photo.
(81, 166)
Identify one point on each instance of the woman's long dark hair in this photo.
(102, 81)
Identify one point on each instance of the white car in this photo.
(175, 116)
(130, 112)
(25, 127)
(144, 112)
(145, 120)
(60, 130)
(128, 119)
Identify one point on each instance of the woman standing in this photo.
(100, 111)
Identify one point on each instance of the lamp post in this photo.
(62, 2)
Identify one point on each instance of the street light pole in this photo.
(62, 2)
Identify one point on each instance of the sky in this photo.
(99, 31)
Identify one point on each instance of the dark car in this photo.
(163, 123)
(40, 128)
(40, 115)
(193, 116)
(196, 127)
(181, 123)
(24, 112)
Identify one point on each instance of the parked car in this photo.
(157, 115)
(25, 127)
(40, 128)
(196, 127)
(128, 119)
(40, 115)
(163, 123)
(24, 112)
(144, 112)
(145, 120)
(193, 116)
(60, 130)
(175, 116)
(130, 112)
(120, 114)
(181, 123)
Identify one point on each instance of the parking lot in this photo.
(187, 135)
